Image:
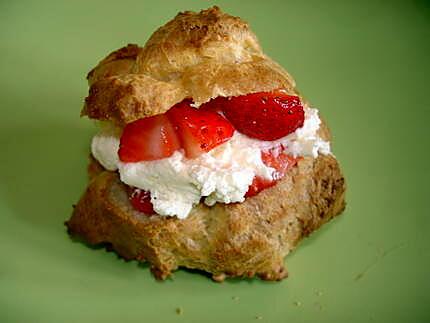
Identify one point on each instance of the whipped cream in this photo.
(105, 145)
(222, 175)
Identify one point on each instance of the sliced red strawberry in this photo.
(199, 131)
(263, 115)
(141, 201)
(276, 159)
(214, 105)
(258, 184)
(148, 138)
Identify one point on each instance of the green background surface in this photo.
(365, 65)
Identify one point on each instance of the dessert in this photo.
(206, 157)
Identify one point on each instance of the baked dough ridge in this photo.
(196, 55)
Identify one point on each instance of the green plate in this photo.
(365, 65)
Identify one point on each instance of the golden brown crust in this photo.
(119, 62)
(94, 168)
(242, 239)
(192, 38)
(197, 55)
(123, 97)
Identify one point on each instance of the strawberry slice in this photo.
(141, 201)
(148, 138)
(264, 115)
(214, 105)
(258, 184)
(280, 161)
(199, 131)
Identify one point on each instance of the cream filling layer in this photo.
(222, 175)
